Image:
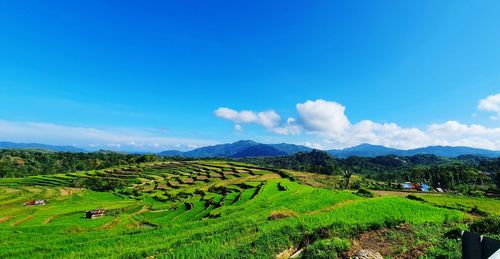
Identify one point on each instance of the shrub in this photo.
(273, 242)
(415, 198)
(365, 193)
(393, 222)
(100, 184)
(476, 211)
(356, 185)
(490, 225)
(284, 174)
(454, 233)
(449, 248)
(281, 187)
(476, 193)
(160, 198)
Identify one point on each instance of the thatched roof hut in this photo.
(92, 214)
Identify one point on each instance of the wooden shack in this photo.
(34, 202)
(92, 214)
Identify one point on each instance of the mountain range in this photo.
(12, 145)
(249, 148)
(242, 148)
(368, 150)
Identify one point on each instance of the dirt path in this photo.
(131, 216)
(401, 193)
(142, 210)
(22, 220)
(111, 224)
(330, 208)
(6, 218)
(48, 220)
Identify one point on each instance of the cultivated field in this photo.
(219, 210)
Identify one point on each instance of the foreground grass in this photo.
(209, 221)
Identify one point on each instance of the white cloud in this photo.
(457, 134)
(386, 134)
(313, 145)
(491, 104)
(93, 138)
(328, 120)
(323, 117)
(269, 119)
(290, 128)
(327, 123)
(238, 117)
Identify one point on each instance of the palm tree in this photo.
(347, 177)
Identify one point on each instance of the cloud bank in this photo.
(327, 121)
(94, 139)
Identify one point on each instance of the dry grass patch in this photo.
(281, 214)
(6, 218)
(69, 191)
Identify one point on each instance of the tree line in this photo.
(22, 162)
(451, 173)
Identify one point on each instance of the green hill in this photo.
(212, 209)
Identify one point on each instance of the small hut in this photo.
(92, 214)
(407, 186)
(34, 202)
(425, 187)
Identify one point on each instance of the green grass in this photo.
(489, 205)
(221, 223)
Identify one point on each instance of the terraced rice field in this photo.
(191, 210)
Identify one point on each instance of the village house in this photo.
(415, 186)
(92, 214)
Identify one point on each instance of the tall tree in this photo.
(347, 177)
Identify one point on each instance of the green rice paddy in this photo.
(198, 209)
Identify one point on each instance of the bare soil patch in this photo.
(394, 243)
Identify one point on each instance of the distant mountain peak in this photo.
(259, 150)
(245, 141)
(241, 148)
(12, 145)
(370, 150)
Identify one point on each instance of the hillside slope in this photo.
(205, 209)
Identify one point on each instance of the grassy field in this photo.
(220, 210)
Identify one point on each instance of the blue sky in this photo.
(128, 75)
